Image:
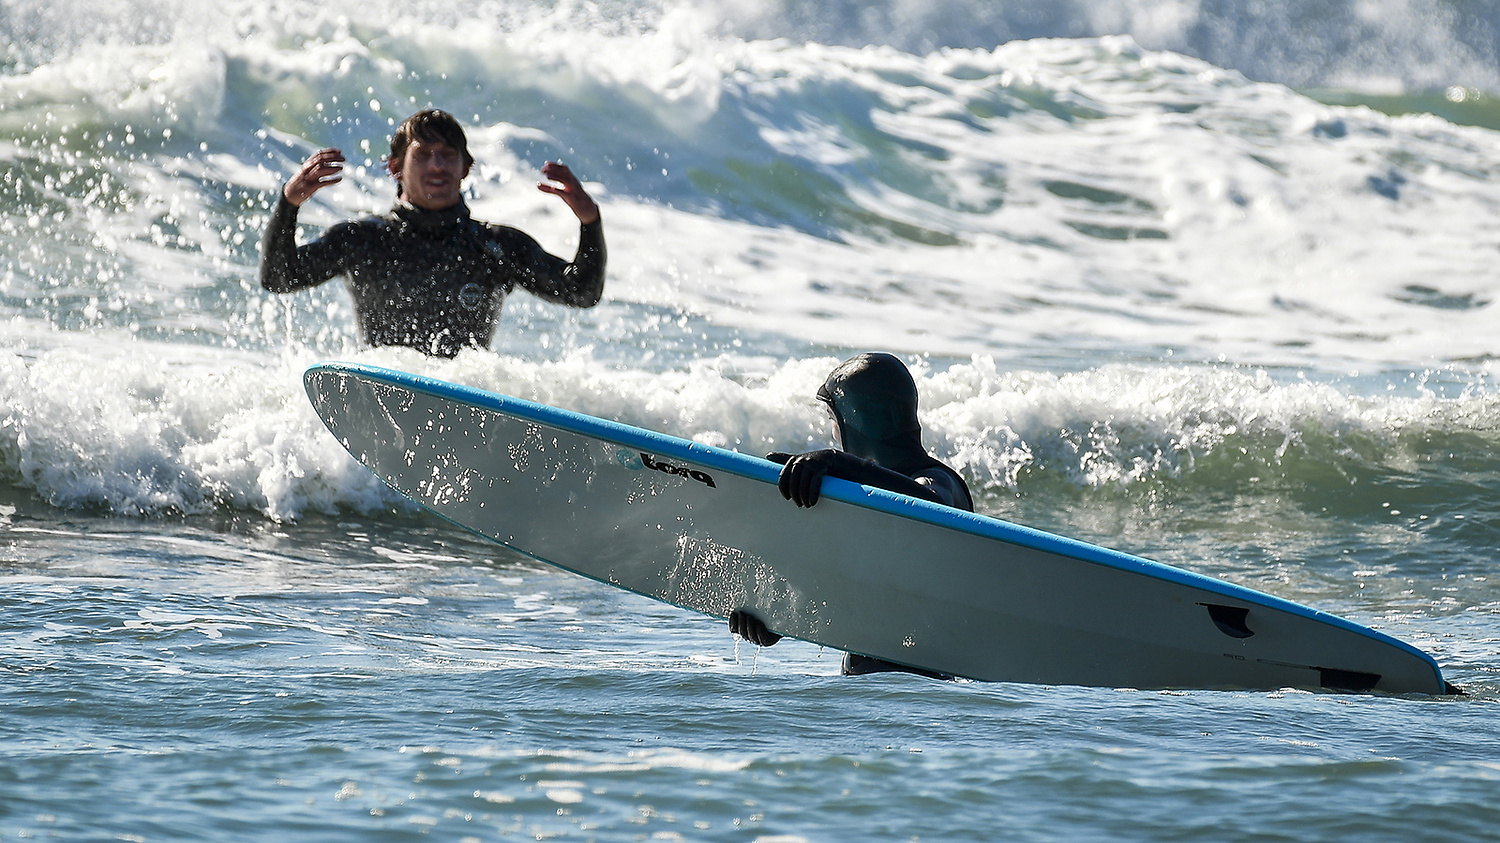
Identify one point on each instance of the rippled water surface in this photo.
(1207, 285)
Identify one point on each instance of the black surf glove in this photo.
(751, 628)
(802, 475)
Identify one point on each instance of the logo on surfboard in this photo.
(629, 460)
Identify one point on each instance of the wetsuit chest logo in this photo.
(471, 296)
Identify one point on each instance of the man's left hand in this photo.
(570, 190)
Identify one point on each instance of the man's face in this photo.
(431, 174)
(838, 428)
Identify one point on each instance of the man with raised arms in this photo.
(873, 401)
(427, 275)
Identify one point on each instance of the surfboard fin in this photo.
(1229, 619)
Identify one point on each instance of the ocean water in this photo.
(1210, 283)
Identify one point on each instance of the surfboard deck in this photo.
(865, 571)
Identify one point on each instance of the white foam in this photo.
(145, 439)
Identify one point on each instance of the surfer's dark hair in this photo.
(430, 125)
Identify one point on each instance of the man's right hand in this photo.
(319, 171)
(751, 628)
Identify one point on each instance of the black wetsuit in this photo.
(430, 280)
(874, 401)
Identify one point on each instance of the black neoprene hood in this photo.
(874, 398)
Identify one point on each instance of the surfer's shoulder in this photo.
(947, 484)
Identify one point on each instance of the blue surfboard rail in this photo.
(757, 468)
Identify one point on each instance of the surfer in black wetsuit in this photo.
(427, 275)
(873, 400)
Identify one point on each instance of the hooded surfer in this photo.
(873, 400)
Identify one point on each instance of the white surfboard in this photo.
(866, 570)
